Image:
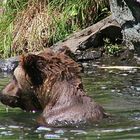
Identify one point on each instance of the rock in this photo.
(88, 55)
(127, 14)
(8, 65)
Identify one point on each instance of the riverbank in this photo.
(99, 44)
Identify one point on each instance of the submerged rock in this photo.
(8, 65)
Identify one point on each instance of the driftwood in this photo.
(125, 68)
(90, 37)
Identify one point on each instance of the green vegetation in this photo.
(112, 49)
(8, 13)
(31, 25)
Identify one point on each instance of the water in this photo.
(117, 91)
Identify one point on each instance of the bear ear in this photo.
(34, 66)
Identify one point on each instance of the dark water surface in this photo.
(117, 91)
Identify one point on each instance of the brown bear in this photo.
(50, 82)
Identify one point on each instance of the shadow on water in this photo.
(119, 93)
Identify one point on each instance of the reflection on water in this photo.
(117, 91)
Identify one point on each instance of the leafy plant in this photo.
(112, 49)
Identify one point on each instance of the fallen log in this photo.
(92, 36)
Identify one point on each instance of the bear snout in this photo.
(9, 100)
